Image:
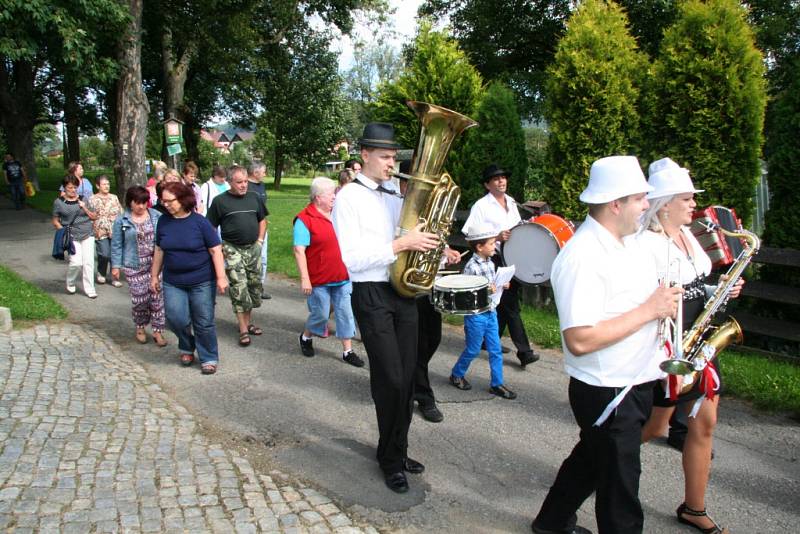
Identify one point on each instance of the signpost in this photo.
(173, 134)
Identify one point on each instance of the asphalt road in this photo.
(489, 464)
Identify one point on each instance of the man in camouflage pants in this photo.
(243, 219)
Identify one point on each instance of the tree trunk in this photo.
(278, 168)
(191, 131)
(71, 119)
(175, 72)
(18, 111)
(132, 108)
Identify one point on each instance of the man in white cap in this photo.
(609, 304)
(365, 216)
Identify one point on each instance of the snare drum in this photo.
(533, 247)
(461, 294)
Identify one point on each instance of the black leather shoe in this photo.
(503, 392)
(460, 383)
(397, 482)
(505, 349)
(432, 414)
(569, 530)
(412, 466)
(527, 357)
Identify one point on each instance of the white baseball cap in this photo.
(668, 178)
(614, 177)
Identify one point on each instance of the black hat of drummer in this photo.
(379, 135)
(494, 170)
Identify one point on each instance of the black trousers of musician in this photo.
(388, 325)
(508, 314)
(605, 461)
(429, 336)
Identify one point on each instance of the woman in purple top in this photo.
(190, 253)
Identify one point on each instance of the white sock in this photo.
(304, 338)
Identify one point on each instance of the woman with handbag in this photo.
(73, 214)
(132, 247)
(107, 208)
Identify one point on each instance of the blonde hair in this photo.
(171, 173)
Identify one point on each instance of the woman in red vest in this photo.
(323, 276)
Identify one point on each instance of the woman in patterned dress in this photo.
(107, 208)
(132, 247)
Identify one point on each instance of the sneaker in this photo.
(306, 346)
(116, 283)
(460, 383)
(71, 290)
(353, 359)
(503, 392)
(101, 279)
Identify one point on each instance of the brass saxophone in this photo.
(703, 340)
(430, 199)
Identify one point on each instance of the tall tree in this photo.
(40, 41)
(498, 138)
(131, 106)
(438, 73)
(707, 100)
(592, 94)
(508, 40)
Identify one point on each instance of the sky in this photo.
(403, 23)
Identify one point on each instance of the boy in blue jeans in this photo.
(482, 328)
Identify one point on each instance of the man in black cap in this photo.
(365, 215)
(499, 209)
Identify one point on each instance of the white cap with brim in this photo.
(668, 179)
(612, 178)
(480, 231)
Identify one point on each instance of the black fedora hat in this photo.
(379, 135)
(494, 170)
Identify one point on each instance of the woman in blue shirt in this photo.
(190, 253)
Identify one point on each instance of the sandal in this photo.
(187, 359)
(253, 329)
(208, 368)
(244, 339)
(683, 509)
(141, 337)
(159, 339)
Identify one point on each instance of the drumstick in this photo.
(462, 254)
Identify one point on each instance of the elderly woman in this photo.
(190, 253)
(159, 168)
(667, 236)
(72, 210)
(84, 185)
(323, 276)
(132, 248)
(107, 208)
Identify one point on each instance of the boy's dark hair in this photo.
(473, 245)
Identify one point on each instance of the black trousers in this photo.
(388, 325)
(429, 333)
(605, 461)
(508, 314)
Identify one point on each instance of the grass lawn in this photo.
(26, 301)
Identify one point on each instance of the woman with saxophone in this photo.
(681, 258)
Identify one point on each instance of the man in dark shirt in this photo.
(243, 219)
(256, 173)
(15, 178)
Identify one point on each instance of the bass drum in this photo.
(461, 294)
(533, 247)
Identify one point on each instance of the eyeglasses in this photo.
(167, 200)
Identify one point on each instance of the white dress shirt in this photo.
(595, 278)
(364, 220)
(488, 209)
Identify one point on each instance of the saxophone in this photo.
(703, 340)
(430, 199)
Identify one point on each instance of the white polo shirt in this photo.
(364, 220)
(488, 209)
(595, 278)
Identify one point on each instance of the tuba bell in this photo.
(430, 199)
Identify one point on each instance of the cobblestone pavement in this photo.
(89, 444)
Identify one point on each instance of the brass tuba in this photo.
(430, 199)
(703, 340)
